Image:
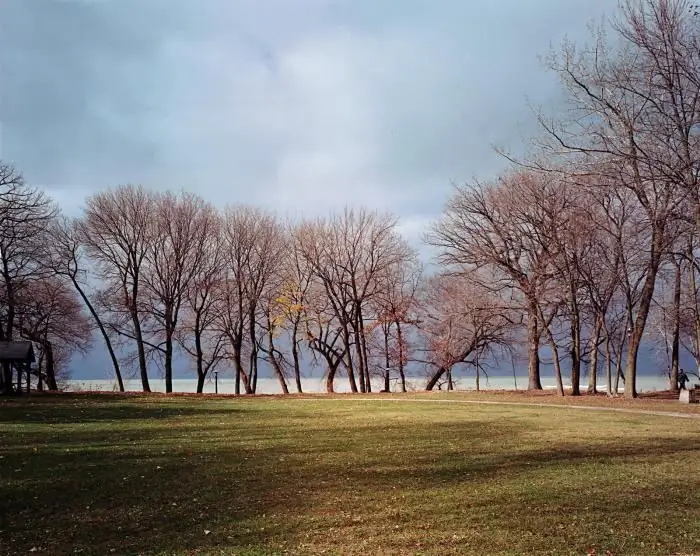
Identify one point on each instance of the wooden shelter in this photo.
(21, 356)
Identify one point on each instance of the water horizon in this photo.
(317, 385)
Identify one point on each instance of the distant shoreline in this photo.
(317, 385)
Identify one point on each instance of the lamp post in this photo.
(216, 382)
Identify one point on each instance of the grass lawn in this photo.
(109, 474)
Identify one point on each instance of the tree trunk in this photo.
(363, 346)
(103, 331)
(555, 352)
(593, 371)
(241, 376)
(618, 374)
(618, 363)
(608, 364)
(199, 353)
(168, 362)
(280, 375)
(50, 367)
(253, 383)
(348, 357)
(359, 358)
(351, 379)
(244, 378)
(433, 380)
(555, 360)
(575, 352)
(295, 357)
(675, 346)
(330, 377)
(273, 360)
(693, 294)
(39, 376)
(7, 367)
(478, 385)
(533, 338)
(2, 372)
(237, 347)
(254, 370)
(399, 339)
(141, 352)
(387, 361)
(631, 372)
(642, 314)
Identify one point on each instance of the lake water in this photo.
(317, 385)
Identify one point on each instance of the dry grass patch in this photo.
(157, 475)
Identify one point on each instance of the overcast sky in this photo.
(300, 106)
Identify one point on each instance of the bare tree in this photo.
(51, 316)
(396, 305)
(348, 253)
(25, 214)
(263, 269)
(271, 327)
(494, 227)
(67, 260)
(325, 332)
(297, 282)
(320, 246)
(600, 271)
(197, 333)
(273, 304)
(118, 231)
(252, 245)
(231, 321)
(636, 107)
(461, 320)
(183, 225)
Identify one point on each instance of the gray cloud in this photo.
(299, 106)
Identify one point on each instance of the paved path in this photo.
(527, 404)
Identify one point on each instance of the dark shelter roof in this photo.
(17, 352)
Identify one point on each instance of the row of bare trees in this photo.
(157, 276)
(160, 275)
(580, 251)
(588, 230)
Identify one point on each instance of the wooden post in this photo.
(29, 377)
(20, 386)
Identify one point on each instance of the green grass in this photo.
(107, 474)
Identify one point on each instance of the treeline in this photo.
(585, 247)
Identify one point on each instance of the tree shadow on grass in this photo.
(162, 487)
(157, 489)
(67, 409)
(137, 500)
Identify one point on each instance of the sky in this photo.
(298, 106)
